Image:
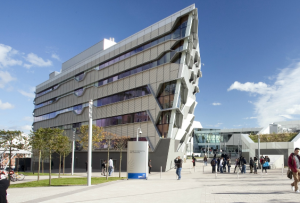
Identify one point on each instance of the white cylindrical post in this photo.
(89, 181)
(238, 174)
(282, 170)
(203, 167)
(73, 152)
(160, 171)
(216, 171)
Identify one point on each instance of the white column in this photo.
(89, 175)
(73, 151)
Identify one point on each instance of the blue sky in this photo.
(249, 49)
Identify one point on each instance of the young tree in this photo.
(67, 150)
(51, 135)
(108, 138)
(13, 141)
(62, 142)
(38, 143)
(97, 136)
(120, 143)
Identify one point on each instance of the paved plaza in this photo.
(193, 187)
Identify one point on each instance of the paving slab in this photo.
(195, 186)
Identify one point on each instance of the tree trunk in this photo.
(18, 165)
(64, 164)
(59, 166)
(40, 152)
(107, 159)
(50, 168)
(120, 163)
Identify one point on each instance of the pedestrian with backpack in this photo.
(294, 165)
(251, 165)
(224, 165)
(213, 165)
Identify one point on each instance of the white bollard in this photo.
(203, 168)
(282, 170)
(216, 171)
(238, 175)
(160, 171)
(194, 169)
(190, 170)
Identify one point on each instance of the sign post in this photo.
(73, 151)
(137, 160)
(89, 162)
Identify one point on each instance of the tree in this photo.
(38, 143)
(97, 136)
(13, 141)
(62, 142)
(66, 151)
(120, 143)
(108, 137)
(51, 135)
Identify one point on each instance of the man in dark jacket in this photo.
(294, 165)
(3, 187)
(178, 163)
(218, 164)
(213, 165)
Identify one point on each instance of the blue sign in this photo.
(136, 175)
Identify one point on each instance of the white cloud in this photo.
(250, 118)
(34, 60)
(55, 56)
(259, 88)
(5, 78)
(216, 104)
(216, 125)
(279, 101)
(6, 56)
(27, 94)
(6, 105)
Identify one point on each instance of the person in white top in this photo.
(110, 166)
(221, 165)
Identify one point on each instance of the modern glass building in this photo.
(148, 81)
(219, 140)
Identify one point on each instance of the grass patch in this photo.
(280, 137)
(64, 182)
(41, 174)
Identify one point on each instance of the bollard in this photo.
(194, 169)
(238, 175)
(216, 171)
(282, 170)
(203, 168)
(190, 170)
(160, 171)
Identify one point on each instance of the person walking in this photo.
(243, 161)
(255, 165)
(218, 164)
(236, 164)
(150, 166)
(294, 165)
(178, 163)
(265, 165)
(205, 160)
(103, 167)
(251, 165)
(213, 164)
(194, 162)
(221, 165)
(228, 164)
(110, 166)
(224, 164)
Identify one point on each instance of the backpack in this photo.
(213, 162)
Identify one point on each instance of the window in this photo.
(80, 76)
(163, 123)
(166, 94)
(78, 92)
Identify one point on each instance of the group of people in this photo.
(110, 167)
(221, 163)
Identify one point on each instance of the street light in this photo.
(73, 151)
(139, 131)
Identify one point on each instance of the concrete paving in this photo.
(195, 186)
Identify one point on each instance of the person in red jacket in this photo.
(294, 165)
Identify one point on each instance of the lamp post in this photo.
(258, 136)
(73, 151)
(139, 131)
(89, 176)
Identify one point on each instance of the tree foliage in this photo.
(97, 136)
(120, 143)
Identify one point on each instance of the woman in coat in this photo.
(255, 165)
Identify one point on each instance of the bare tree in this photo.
(120, 143)
(108, 139)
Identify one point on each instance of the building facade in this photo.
(148, 80)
